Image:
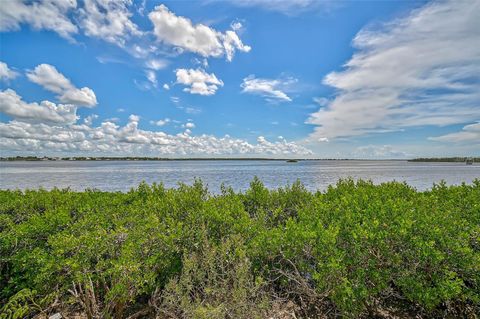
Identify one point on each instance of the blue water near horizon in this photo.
(314, 174)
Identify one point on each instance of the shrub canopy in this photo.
(357, 249)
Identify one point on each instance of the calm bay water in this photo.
(122, 175)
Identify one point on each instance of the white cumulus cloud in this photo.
(378, 151)
(12, 105)
(111, 139)
(198, 81)
(49, 78)
(198, 38)
(108, 20)
(41, 15)
(6, 73)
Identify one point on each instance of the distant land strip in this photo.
(446, 159)
(138, 158)
(147, 158)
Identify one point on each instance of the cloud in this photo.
(41, 15)
(202, 62)
(111, 139)
(112, 119)
(469, 134)
(152, 77)
(198, 81)
(232, 42)
(190, 109)
(322, 101)
(141, 7)
(153, 65)
(166, 86)
(6, 73)
(378, 151)
(287, 7)
(236, 25)
(161, 122)
(50, 79)
(156, 64)
(108, 20)
(84, 97)
(12, 105)
(281, 147)
(189, 125)
(422, 69)
(89, 119)
(201, 39)
(273, 90)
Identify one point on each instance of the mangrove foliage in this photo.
(354, 250)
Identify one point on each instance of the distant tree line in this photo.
(131, 158)
(445, 159)
(150, 158)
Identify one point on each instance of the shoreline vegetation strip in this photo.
(355, 250)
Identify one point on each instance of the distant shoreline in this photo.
(447, 159)
(93, 158)
(107, 158)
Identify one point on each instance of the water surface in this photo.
(318, 174)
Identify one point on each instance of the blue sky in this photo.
(301, 78)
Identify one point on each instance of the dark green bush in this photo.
(355, 250)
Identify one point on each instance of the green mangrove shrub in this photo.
(355, 250)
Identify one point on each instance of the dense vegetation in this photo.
(356, 250)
